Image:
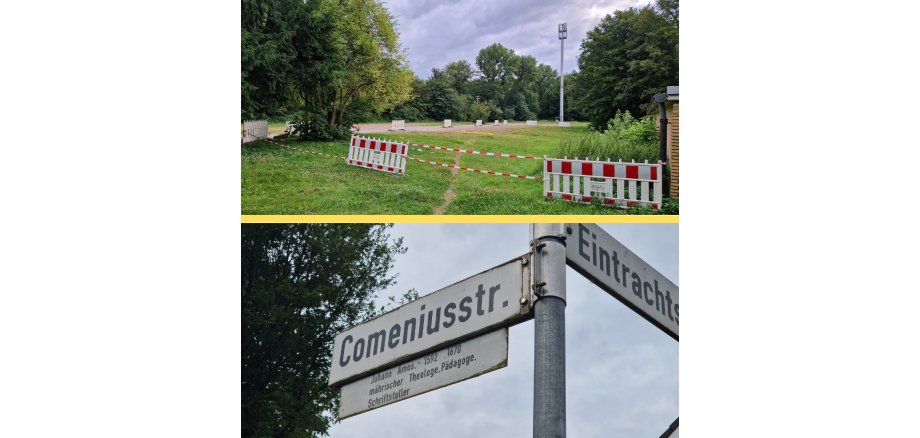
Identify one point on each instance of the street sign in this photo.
(458, 362)
(613, 267)
(476, 305)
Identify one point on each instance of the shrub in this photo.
(626, 138)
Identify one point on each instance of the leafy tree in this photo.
(627, 58)
(479, 111)
(546, 85)
(414, 108)
(300, 285)
(374, 70)
(497, 65)
(458, 75)
(315, 60)
(669, 9)
(268, 55)
(442, 101)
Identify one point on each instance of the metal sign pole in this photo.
(549, 331)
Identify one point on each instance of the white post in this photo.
(563, 34)
(561, 81)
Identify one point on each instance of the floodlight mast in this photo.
(563, 34)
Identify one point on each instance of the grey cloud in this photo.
(435, 32)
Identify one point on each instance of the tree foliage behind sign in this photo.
(627, 58)
(300, 285)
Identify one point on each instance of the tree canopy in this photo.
(301, 284)
(627, 58)
(327, 64)
(322, 63)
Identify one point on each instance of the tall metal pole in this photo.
(563, 34)
(549, 331)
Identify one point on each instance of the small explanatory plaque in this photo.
(441, 368)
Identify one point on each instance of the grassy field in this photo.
(278, 180)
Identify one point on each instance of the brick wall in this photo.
(674, 149)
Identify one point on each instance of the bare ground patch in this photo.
(450, 194)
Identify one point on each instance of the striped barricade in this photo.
(254, 130)
(383, 155)
(614, 183)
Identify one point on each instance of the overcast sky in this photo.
(621, 372)
(435, 32)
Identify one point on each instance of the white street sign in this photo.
(447, 366)
(610, 265)
(481, 303)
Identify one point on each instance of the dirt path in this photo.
(450, 194)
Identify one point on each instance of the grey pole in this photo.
(661, 98)
(549, 331)
(563, 34)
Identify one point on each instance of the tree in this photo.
(669, 9)
(300, 285)
(546, 84)
(458, 75)
(313, 61)
(441, 100)
(479, 111)
(374, 70)
(627, 58)
(414, 108)
(496, 70)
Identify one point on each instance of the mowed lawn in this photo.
(278, 180)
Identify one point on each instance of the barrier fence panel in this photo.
(254, 130)
(532, 122)
(398, 125)
(613, 183)
(382, 155)
(479, 123)
(447, 123)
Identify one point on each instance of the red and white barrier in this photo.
(382, 155)
(469, 151)
(613, 183)
(487, 172)
(254, 130)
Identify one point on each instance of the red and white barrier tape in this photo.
(489, 172)
(303, 150)
(467, 151)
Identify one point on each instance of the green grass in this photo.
(276, 180)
